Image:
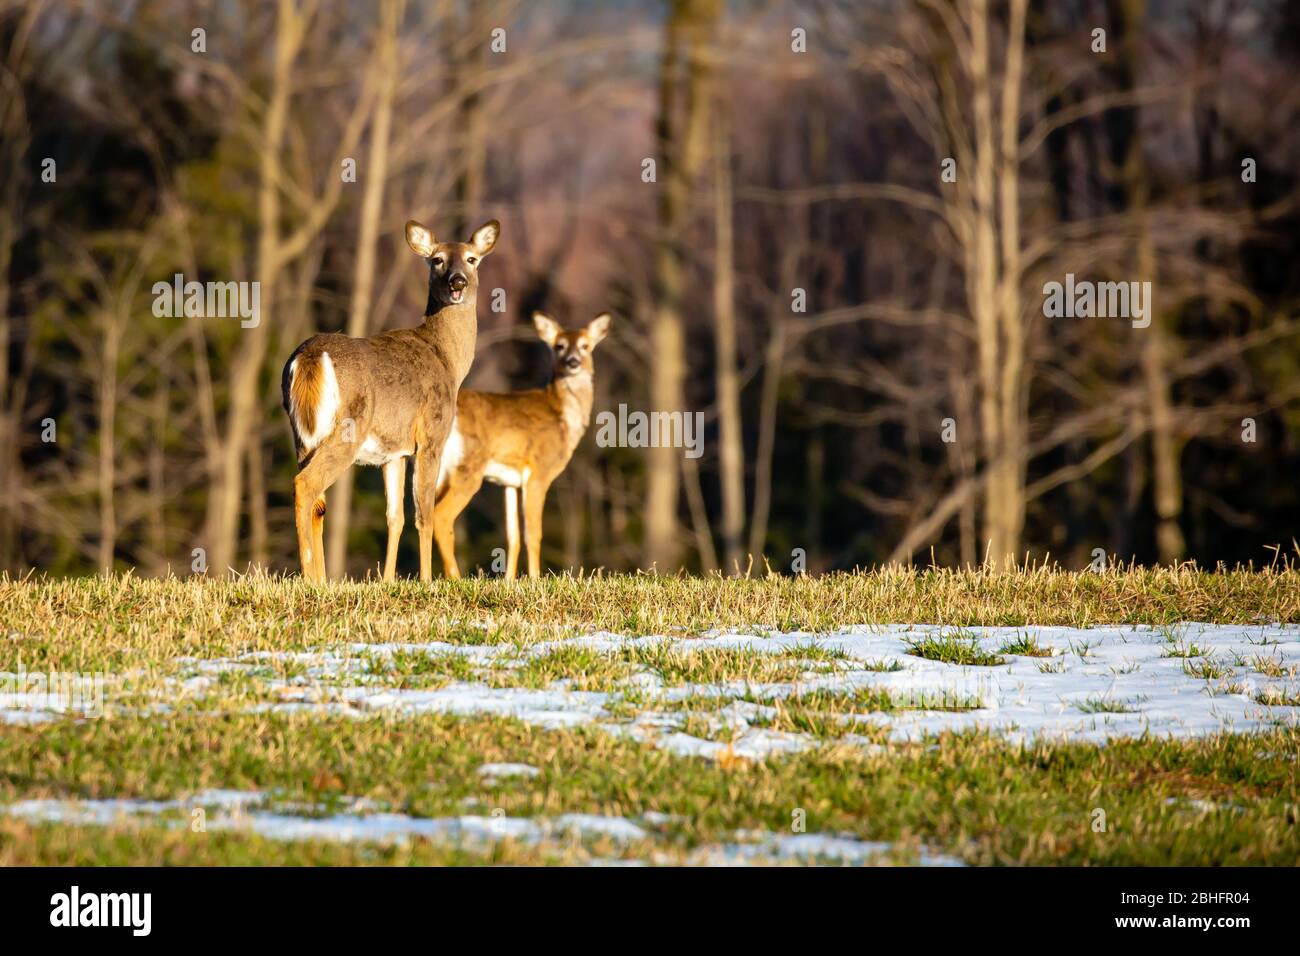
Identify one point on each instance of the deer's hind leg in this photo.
(512, 532)
(322, 469)
(534, 506)
(318, 537)
(395, 507)
(451, 501)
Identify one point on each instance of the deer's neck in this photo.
(573, 395)
(454, 330)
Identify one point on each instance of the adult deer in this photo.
(381, 399)
(521, 440)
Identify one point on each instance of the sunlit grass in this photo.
(953, 649)
(104, 623)
(971, 795)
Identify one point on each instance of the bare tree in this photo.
(275, 249)
(683, 144)
(731, 450)
(387, 67)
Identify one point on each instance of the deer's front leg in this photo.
(426, 487)
(534, 505)
(395, 509)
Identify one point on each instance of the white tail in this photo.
(313, 399)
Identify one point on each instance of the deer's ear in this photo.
(598, 328)
(420, 239)
(485, 237)
(547, 328)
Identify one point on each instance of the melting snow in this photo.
(496, 771)
(1097, 684)
(241, 811)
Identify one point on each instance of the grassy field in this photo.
(263, 720)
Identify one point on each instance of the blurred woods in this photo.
(864, 334)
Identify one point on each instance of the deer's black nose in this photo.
(457, 281)
(572, 361)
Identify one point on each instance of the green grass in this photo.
(840, 705)
(1183, 650)
(1206, 668)
(1279, 697)
(970, 795)
(715, 665)
(1024, 646)
(409, 669)
(827, 714)
(953, 649)
(89, 624)
(1105, 705)
(582, 667)
(1270, 666)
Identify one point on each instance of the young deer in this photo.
(379, 399)
(521, 440)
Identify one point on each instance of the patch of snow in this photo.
(500, 770)
(1070, 695)
(806, 848)
(755, 744)
(240, 811)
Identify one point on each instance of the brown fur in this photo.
(396, 398)
(523, 440)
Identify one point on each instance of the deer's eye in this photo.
(471, 260)
(437, 261)
(559, 347)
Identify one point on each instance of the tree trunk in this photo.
(226, 495)
(814, 496)
(766, 437)
(993, 286)
(107, 469)
(158, 476)
(15, 138)
(1167, 489)
(257, 521)
(981, 283)
(275, 249)
(372, 204)
(699, 516)
(682, 145)
(731, 450)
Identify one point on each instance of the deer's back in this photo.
(498, 434)
(395, 387)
